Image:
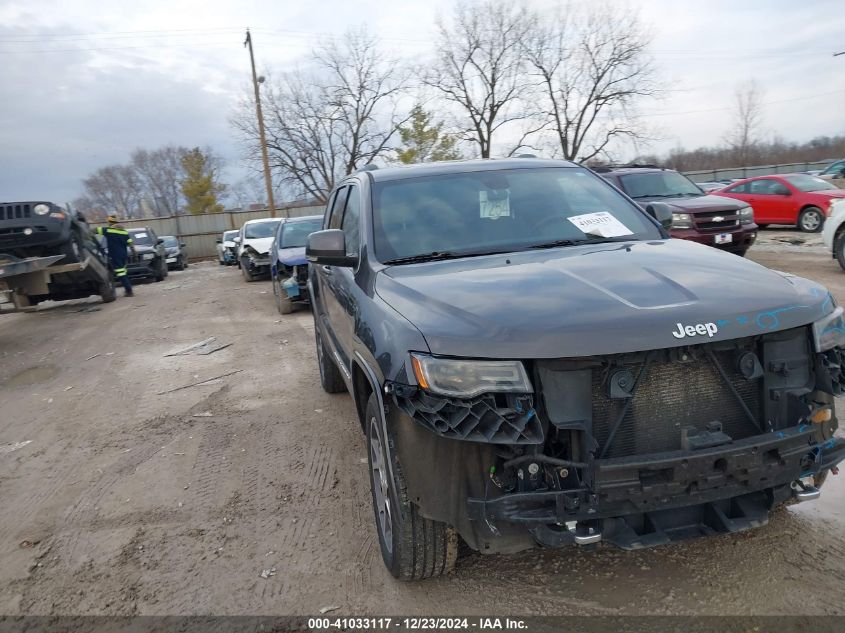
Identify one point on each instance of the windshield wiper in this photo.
(589, 240)
(438, 255)
(656, 195)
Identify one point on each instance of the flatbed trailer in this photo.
(24, 283)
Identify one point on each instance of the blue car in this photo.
(288, 266)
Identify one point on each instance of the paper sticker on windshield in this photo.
(494, 203)
(600, 223)
(139, 236)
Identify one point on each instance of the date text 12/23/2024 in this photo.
(416, 624)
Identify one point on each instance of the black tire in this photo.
(839, 249)
(283, 303)
(73, 249)
(245, 270)
(762, 226)
(330, 377)
(811, 220)
(161, 273)
(221, 262)
(107, 290)
(412, 547)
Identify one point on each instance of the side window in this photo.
(778, 188)
(352, 222)
(336, 214)
(743, 188)
(761, 187)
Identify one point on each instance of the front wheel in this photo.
(283, 303)
(839, 250)
(412, 547)
(107, 290)
(244, 266)
(811, 220)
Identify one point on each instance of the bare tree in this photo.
(747, 131)
(480, 66)
(116, 188)
(593, 67)
(160, 172)
(327, 123)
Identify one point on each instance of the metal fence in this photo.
(708, 175)
(200, 232)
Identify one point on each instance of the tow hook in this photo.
(802, 491)
(584, 535)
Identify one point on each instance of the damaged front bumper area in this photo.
(636, 449)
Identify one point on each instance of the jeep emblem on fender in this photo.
(699, 329)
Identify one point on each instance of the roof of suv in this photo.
(442, 168)
(630, 169)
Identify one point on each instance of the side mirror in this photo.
(219, 240)
(159, 241)
(182, 244)
(329, 249)
(236, 240)
(786, 192)
(661, 212)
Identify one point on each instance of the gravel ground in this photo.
(118, 498)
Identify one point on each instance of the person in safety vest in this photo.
(119, 242)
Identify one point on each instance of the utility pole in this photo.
(255, 81)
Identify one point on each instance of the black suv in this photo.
(534, 362)
(150, 257)
(41, 228)
(697, 216)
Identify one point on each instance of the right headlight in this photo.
(41, 209)
(468, 378)
(681, 221)
(829, 331)
(746, 215)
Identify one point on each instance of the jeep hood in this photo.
(293, 256)
(599, 299)
(259, 244)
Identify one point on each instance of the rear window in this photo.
(500, 211)
(806, 182)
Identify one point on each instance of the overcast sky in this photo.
(83, 82)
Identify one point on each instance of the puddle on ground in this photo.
(32, 376)
(831, 505)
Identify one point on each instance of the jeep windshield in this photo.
(260, 229)
(477, 213)
(659, 184)
(295, 234)
(141, 238)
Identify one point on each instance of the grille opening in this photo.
(671, 396)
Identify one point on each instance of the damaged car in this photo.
(227, 248)
(288, 266)
(534, 362)
(254, 241)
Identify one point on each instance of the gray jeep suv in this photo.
(533, 361)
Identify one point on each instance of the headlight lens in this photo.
(829, 331)
(681, 221)
(746, 215)
(41, 209)
(468, 378)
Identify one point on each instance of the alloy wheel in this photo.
(381, 487)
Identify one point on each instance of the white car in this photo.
(254, 241)
(833, 232)
(227, 248)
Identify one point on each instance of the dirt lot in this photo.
(124, 501)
